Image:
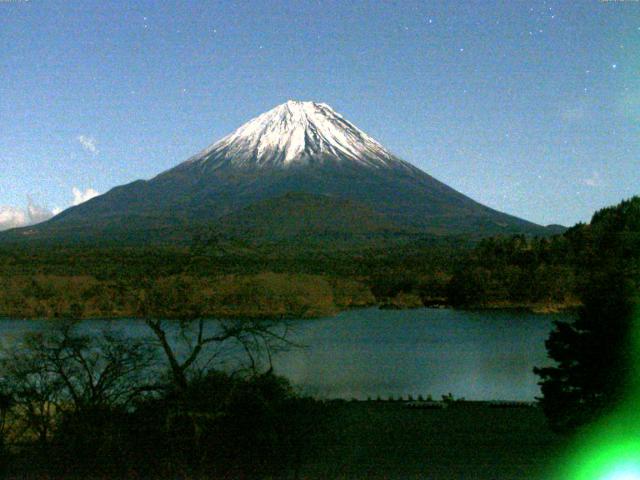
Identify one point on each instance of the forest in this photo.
(228, 278)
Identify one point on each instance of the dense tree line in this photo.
(206, 259)
(596, 355)
(232, 279)
(517, 271)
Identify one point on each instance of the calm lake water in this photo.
(371, 352)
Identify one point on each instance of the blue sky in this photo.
(532, 108)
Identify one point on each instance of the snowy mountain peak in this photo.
(297, 133)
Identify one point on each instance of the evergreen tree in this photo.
(593, 354)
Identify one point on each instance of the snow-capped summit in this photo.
(297, 133)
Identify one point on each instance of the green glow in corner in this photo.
(610, 450)
(629, 471)
(609, 456)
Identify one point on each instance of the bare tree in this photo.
(60, 370)
(36, 392)
(97, 371)
(202, 342)
(207, 342)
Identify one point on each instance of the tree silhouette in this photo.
(593, 353)
(200, 342)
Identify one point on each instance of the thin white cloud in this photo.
(14, 217)
(88, 144)
(11, 217)
(594, 181)
(37, 214)
(80, 196)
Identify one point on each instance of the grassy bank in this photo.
(225, 296)
(467, 441)
(258, 295)
(387, 440)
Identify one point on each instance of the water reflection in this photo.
(371, 353)
(382, 353)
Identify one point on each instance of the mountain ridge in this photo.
(302, 147)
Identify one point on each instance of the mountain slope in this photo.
(305, 216)
(301, 147)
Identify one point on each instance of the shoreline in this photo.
(541, 309)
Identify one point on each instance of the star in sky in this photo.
(368, 67)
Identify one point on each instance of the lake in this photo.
(484, 355)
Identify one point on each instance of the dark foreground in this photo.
(388, 440)
(464, 441)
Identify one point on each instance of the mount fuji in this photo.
(298, 170)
